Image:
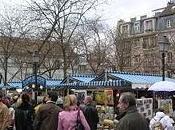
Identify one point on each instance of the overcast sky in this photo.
(126, 9)
(117, 9)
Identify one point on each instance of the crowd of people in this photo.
(18, 113)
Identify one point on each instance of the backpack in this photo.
(157, 125)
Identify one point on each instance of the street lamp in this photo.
(163, 46)
(35, 70)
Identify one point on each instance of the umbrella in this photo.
(163, 86)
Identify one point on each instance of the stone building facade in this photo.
(140, 40)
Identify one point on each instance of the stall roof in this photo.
(79, 78)
(12, 85)
(97, 84)
(84, 79)
(50, 83)
(138, 78)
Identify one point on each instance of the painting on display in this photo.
(145, 107)
(104, 97)
(166, 104)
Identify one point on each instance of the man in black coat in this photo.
(90, 113)
(24, 114)
(47, 114)
(132, 120)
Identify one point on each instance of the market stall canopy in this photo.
(138, 80)
(53, 83)
(163, 86)
(32, 80)
(50, 84)
(96, 84)
(17, 85)
(78, 78)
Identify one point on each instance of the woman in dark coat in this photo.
(24, 114)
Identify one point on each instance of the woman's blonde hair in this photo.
(70, 100)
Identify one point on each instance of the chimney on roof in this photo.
(121, 21)
(133, 19)
(143, 17)
(171, 3)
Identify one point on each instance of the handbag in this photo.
(79, 125)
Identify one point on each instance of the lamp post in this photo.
(163, 46)
(35, 70)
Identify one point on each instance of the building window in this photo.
(148, 25)
(136, 42)
(154, 60)
(169, 57)
(136, 27)
(168, 23)
(127, 61)
(145, 43)
(82, 68)
(125, 29)
(137, 59)
(152, 42)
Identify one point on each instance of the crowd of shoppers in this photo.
(18, 113)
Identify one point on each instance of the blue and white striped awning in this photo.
(139, 78)
(79, 78)
(97, 84)
(83, 79)
(52, 83)
(10, 85)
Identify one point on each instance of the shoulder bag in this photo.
(79, 125)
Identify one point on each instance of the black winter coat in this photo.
(24, 117)
(133, 120)
(91, 115)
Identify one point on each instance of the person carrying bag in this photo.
(79, 125)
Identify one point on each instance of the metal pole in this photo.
(5, 74)
(35, 82)
(36, 94)
(163, 66)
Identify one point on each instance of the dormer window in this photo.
(125, 29)
(148, 25)
(136, 27)
(168, 23)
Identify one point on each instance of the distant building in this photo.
(138, 39)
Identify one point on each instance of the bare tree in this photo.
(58, 20)
(120, 49)
(95, 45)
(12, 29)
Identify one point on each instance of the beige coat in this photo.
(4, 116)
